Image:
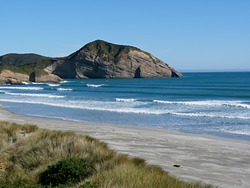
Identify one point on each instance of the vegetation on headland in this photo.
(31, 157)
(28, 68)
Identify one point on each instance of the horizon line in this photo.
(213, 70)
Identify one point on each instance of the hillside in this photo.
(20, 59)
(100, 59)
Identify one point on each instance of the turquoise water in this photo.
(200, 103)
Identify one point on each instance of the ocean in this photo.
(215, 104)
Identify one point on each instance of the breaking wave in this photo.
(64, 89)
(125, 100)
(25, 83)
(65, 81)
(35, 95)
(238, 104)
(95, 85)
(239, 132)
(53, 85)
(115, 107)
(37, 83)
(21, 88)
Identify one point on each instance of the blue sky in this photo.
(187, 34)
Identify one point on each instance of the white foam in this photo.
(64, 81)
(53, 85)
(121, 107)
(198, 103)
(37, 83)
(95, 85)
(240, 132)
(163, 102)
(35, 95)
(210, 115)
(125, 100)
(87, 105)
(21, 88)
(238, 105)
(64, 89)
(26, 83)
(232, 104)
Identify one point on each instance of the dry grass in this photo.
(129, 175)
(25, 159)
(10, 132)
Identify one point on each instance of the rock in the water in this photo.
(43, 76)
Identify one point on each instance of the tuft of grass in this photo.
(131, 175)
(28, 128)
(13, 131)
(25, 160)
(138, 161)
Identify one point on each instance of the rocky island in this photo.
(98, 59)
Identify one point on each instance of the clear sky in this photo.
(186, 34)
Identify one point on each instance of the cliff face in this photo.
(44, 76)
(100, 59)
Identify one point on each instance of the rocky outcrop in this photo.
(98, 59)
(43, 76)
(101, 59)
(9, 77)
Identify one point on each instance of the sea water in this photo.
(199, 103)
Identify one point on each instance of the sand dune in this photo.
(214, 160)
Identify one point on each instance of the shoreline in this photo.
(218, 161)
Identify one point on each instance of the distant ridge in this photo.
(97, 59)
(14, 59)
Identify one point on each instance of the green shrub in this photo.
(138, 161)
(67, 171)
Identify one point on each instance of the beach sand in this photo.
(218, 161)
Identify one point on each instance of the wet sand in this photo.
(218, 161)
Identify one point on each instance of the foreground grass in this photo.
(24, 158)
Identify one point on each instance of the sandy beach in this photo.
(218, 161)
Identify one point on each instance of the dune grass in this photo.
(26, 152)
